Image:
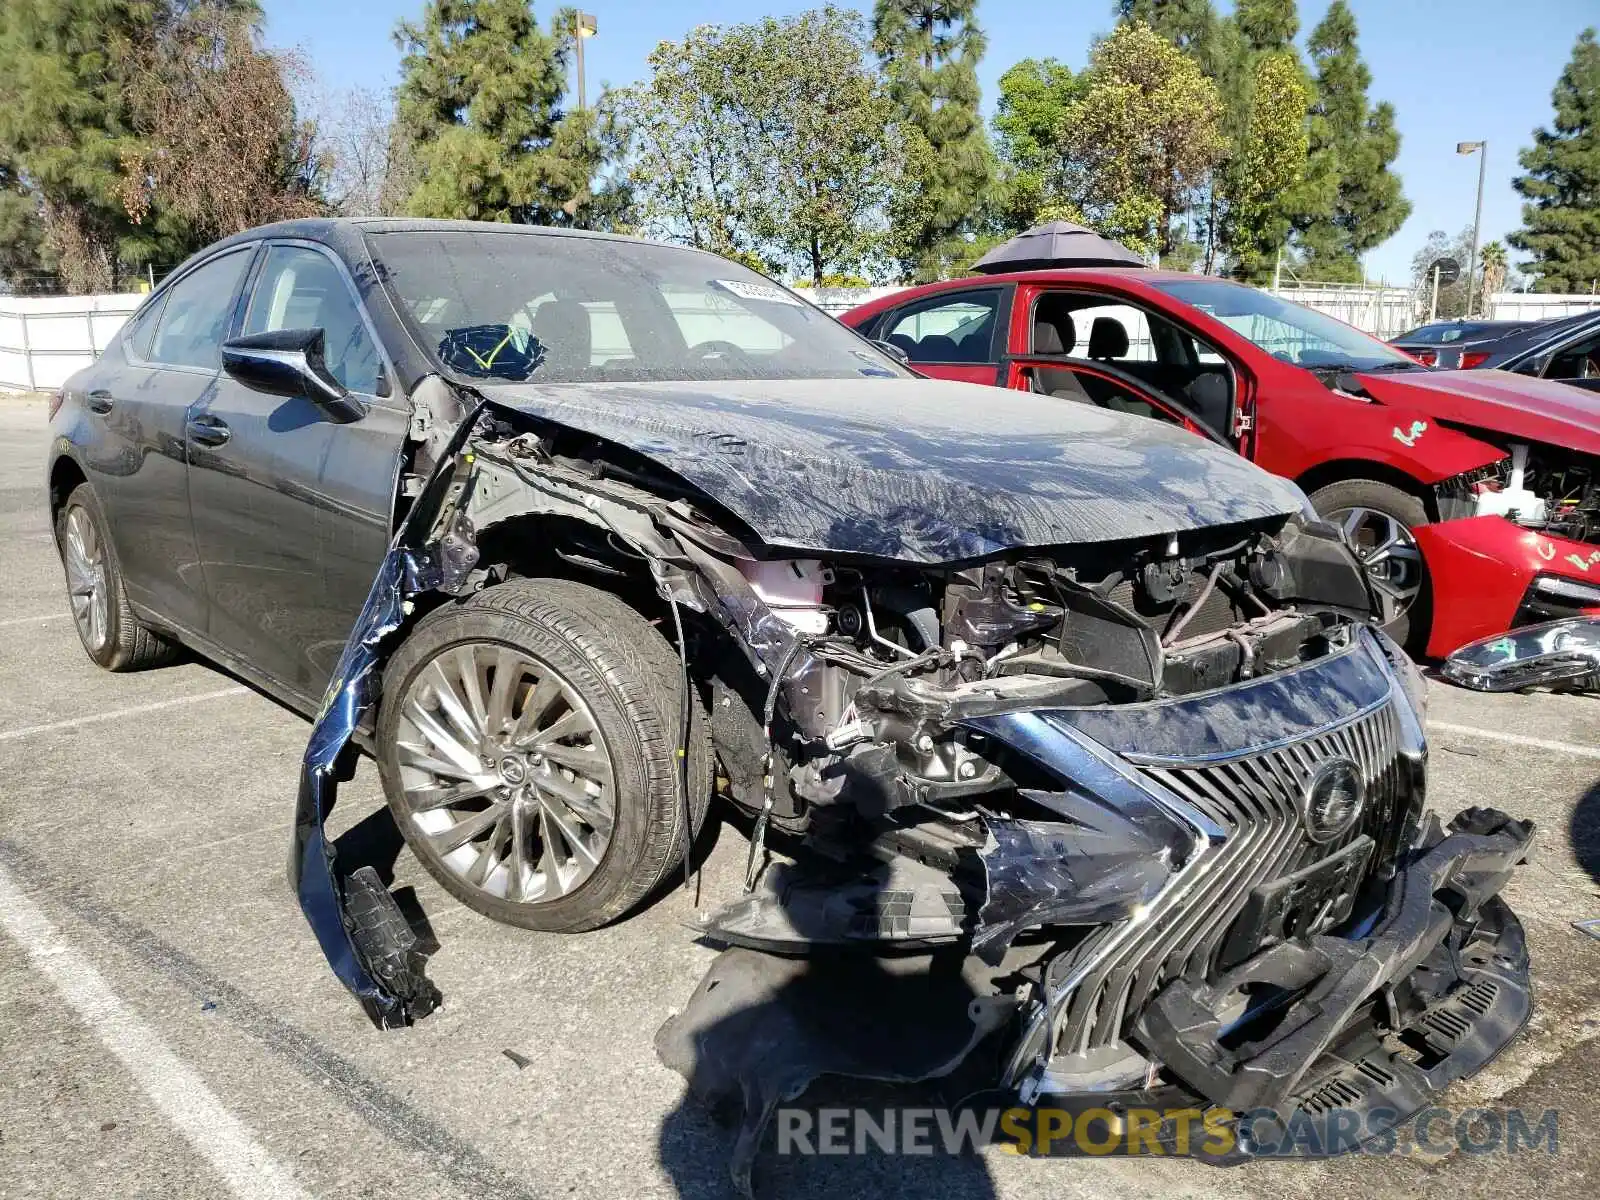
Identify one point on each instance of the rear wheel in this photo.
(1378, 520)
(528, 748)
(110, 632)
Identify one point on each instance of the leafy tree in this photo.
(223, 147)
(1267, 165)
(1355, 143)
(1140, 138)
(770, 143)
(1452, 296)
(480, 95)
(1265, 177)
(1034, 97)
(1561, 219)
(65, 125)
(930, 51)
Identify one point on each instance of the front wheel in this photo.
(528, 745)
(1378, 520)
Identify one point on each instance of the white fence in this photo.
(44, 339)
(1538, 306)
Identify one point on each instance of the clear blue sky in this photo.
(1456, 70)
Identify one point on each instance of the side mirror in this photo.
(290, 362)
(895, 352)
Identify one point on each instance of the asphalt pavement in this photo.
(168, 1026)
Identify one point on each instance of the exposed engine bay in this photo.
(1548, 488)
(1158, 797)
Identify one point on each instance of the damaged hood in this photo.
(919, 470)
(1538, 410)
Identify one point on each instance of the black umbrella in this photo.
(1057, 244)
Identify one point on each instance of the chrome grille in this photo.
(1255, 798)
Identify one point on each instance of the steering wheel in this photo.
(717, 347)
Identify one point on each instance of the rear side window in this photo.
(303, 289)
(949, 329)
(137, 333)
(195, 320)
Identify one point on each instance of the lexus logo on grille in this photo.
(1332, 798)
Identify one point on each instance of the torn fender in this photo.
(365, 938)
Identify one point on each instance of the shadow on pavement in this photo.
(768, 1040)
(1584, 830)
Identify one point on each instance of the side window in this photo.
(1579, 360)
(1091, 327)
(137, 333)
(303, 289)
(948, 329)
(195, 320)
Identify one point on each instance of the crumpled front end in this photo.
(1131, 818)
(1323, 948)
(1238, 908)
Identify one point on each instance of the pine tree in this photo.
(930, 51)
(480, 94)
(1191, 25)
(1561, 220)
(65, 128)
(1353, 144)
(1267, 25)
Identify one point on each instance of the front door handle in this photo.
(99, 400)
(208, 430)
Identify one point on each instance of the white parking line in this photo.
(172, 1085)
(95, 718)
(30, 620)
(1516, 739)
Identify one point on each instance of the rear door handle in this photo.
(208, 430)
(99, 400)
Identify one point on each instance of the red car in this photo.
(1473, 496)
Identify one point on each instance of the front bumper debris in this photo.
(1434, 902)
(1377, 1025)
(1564, 655)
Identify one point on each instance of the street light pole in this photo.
(1482, 151)
(584, 27)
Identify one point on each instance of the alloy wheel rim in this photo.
(84, 558)
(505, 773)
(1388, 553)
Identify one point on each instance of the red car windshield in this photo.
(1286, 331)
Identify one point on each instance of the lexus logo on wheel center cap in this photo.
(513, 770)
(1332, 798)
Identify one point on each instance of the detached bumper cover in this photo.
(1436, 903)
(363, 933)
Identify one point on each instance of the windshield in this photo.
(1287, 331)
(518, 305)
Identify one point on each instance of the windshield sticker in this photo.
(1410, 439)
(757, 291)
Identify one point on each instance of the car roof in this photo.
(326, 229)
(1541, 334)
